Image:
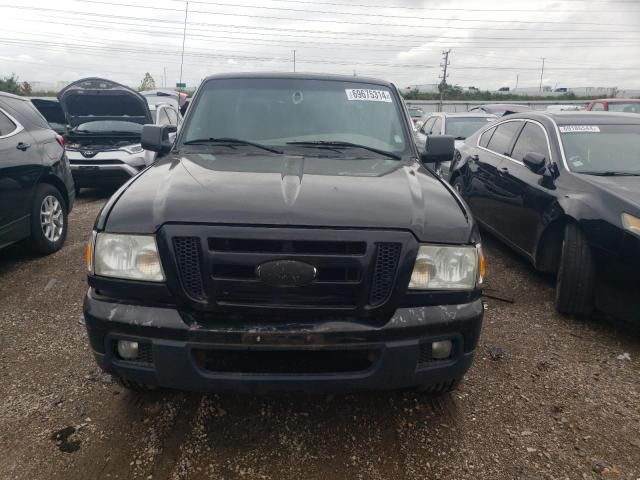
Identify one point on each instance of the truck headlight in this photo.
(447, 268)
(631, 223)
(130, 257)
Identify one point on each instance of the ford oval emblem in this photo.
(286, 273)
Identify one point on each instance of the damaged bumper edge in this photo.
(227, 356)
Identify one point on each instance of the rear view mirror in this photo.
(156, 138)
(535, 162)
(439, 148)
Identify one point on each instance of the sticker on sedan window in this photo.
(579, 129)
(368, 95)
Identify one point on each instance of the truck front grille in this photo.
(217, 266)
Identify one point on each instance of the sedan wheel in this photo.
(51, 218)
(48, 220)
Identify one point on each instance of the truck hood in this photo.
(292, 191)
(93, 99)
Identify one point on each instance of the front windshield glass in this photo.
(625, 107)
(602, 148)
(277, 112)
(463, 127)
(109, 126)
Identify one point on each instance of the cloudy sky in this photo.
(493, 43)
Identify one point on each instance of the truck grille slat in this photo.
(384, 273)
(188, 256)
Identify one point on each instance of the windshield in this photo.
(625, 107)
(109, 126)
(463, 127)
(278, 112)
(601, 148)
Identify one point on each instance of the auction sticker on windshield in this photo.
(579, 129)
(368, 95)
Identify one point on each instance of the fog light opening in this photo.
(127, 349)
(441, 350)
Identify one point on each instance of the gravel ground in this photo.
(547, 398)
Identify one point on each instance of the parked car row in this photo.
(50, 148)
(562, 189)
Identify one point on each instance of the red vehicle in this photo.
(629, 105)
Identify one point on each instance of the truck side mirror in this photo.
(535, 162)
(439, 148)
(155, 138)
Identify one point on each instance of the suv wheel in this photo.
(575, 283)
(48, 220)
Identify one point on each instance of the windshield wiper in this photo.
(326, 143)
(231, 142)
(460, 138)
(612, 173)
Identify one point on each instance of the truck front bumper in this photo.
(328, 356)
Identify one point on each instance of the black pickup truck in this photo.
(290, 238)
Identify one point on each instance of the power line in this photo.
(332, 21)
(357, 14)
(405, 7)
(319, 60)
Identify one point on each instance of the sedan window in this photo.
(486, 136)
(502, 139)
(602, 149)
(531, 139)
(6, 125)
(631, 107)
(437, 127)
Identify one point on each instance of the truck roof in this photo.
(301, 76)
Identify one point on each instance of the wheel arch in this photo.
(54, 181)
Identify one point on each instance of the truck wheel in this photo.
(575, 283)
(48, 220)
(135, 386)
(440, 388)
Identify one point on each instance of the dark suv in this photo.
(292, 238)
(36, 187)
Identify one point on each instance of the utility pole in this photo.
(443, 83)
(294, 61)
(517, 81)
(541, 73)
(184, 36)
(164, 78)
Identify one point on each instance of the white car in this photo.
(105, 122)
(459, 125)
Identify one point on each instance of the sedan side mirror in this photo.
(439, 148)
(155, 138)
(535, 162)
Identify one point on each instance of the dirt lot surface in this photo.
(547, 398)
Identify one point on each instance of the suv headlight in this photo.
(133, 149)
(631, 223)
(440, 267)
(130, 257)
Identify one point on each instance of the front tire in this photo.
(48, 220)
(575, 283)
